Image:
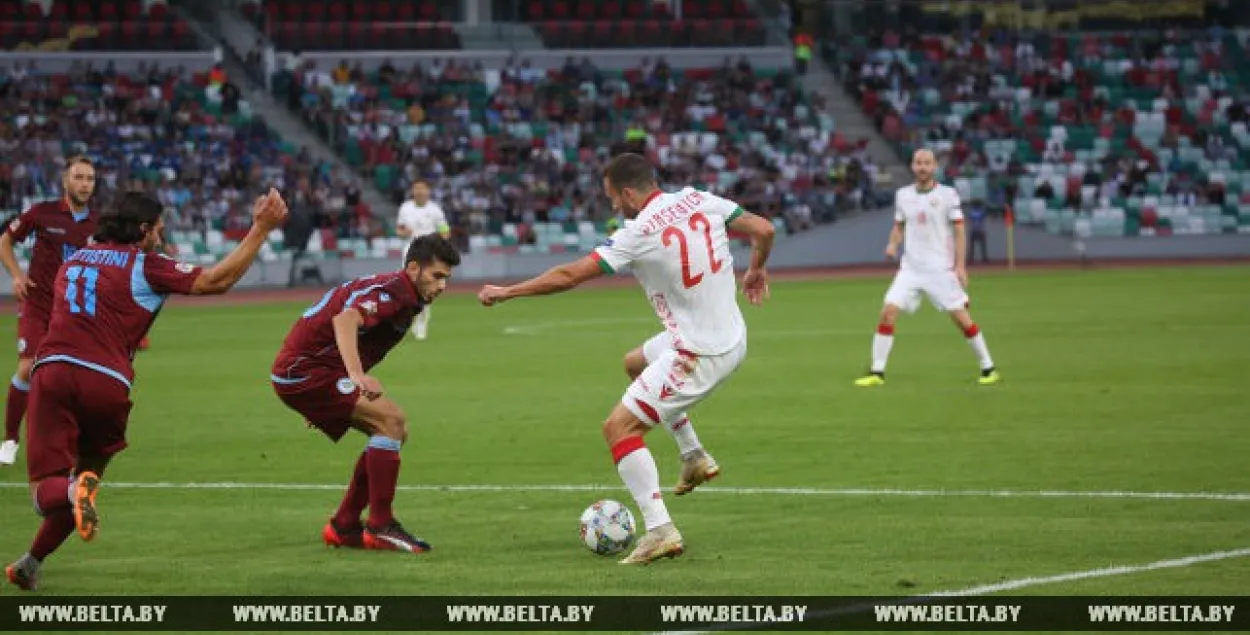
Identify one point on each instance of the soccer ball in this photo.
(607, 527)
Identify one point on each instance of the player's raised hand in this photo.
(755, 286)
(21, 287)
(491, 295)
(269, 212)
(370, 388)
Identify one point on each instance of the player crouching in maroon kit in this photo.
(321, 374)
(106, 297)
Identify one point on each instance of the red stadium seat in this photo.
(334, 35)
(559, 10)
(132, 10)
(405, 12)
(59, 12)
(585, 10)
(158, 11)
(83, 12)
(108, 11)
(362, 11)
(314, 11)
(337, 12)
(429, 12)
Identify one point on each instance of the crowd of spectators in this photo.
(183, 136)
(1004, 73)
(523, 145)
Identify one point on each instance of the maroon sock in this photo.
(383, 468)
(57, 525)
(52, 495)
(357, 496)
(14, 410)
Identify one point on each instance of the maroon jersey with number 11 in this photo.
(105, 300)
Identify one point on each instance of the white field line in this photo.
(1012, 585)
(742, 491)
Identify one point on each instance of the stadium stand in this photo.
(514, 153)
(1092, 134)
(176, 134)
(338, 25)
(92, 25)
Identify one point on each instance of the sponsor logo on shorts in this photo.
(346, 386)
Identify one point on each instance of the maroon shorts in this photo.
(32, 327)
(324, 396)
(73, 412)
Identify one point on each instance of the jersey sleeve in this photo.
(375, 304)
(22, 225)
(954, 208)
(624, 247)
(401, 217)
(166, 275)
(720, 206)
(898, 208)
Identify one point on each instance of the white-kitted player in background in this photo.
(418, 217)
(929, 221)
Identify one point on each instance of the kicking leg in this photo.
(384, 422)
(976, 340)
(623, 432)
(698, 466)
(15, 411)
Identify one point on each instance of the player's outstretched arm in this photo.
(268, 214)
(555, 280)
(762, 233)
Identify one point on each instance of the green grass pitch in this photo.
(1127, 380)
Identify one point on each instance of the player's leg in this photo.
(51, 454)
(903, 295)
(383, 421)
(421, 324)
(697, 465)
(15, 410)
(948, 295)
(31, 329)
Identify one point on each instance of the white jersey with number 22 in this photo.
(678, 249)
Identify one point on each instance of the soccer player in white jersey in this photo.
(677, 246)
(418, 217)
(929, 221)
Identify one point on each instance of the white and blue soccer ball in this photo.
(607, 527)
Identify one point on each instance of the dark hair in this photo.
(430, 247)
(631, 171)
(124, 221)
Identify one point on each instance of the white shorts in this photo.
(941, 287)
(674, 381)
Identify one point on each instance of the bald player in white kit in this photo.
(418, 217)
(677, 246)
(929, 221)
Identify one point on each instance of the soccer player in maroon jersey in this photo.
(321, 373)
(105, 298)
(60, 227)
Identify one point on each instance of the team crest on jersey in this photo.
(385, 297)
(184, 267)
(922, 218)
(370, 307)
(346, 385)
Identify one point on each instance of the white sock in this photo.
(977, 342)
(642, 478)
(881, 345)
(683, 433)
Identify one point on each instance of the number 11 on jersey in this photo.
(81, 301)
(698, 223)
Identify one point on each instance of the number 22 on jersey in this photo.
(698, 224)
